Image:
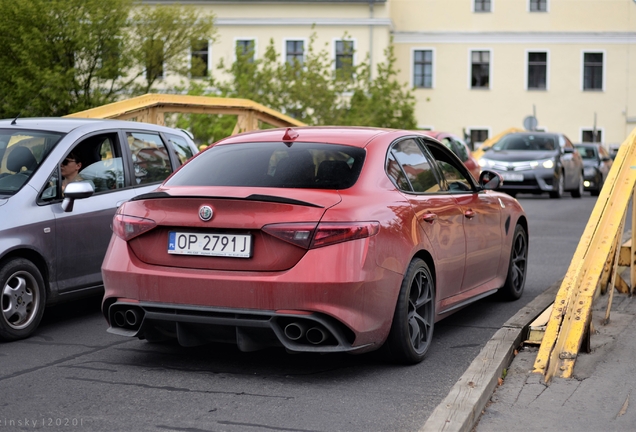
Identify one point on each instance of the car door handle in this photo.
(469, 214)
(429, 217)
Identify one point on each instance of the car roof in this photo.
(66, 125)
(347, 135)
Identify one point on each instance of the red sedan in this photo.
(317, 239)
(459, 147)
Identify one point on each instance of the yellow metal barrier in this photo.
(477, 153)
(596, 257)
(152, 108)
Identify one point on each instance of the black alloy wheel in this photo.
(518, 267)
(413, 322)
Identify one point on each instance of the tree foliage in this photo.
(63, 56)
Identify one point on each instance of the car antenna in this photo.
(15, 119)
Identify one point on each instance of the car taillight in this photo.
(128, 227)
(311, 236)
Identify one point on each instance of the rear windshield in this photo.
(274, 164)
(527, 142)
(21, 153)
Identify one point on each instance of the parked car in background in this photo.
(536, 162)
(613, 150)
(324, 239)
(52, 242)
(459, 147)
(597, 163)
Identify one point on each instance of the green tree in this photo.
(51, 54)
(382, 101)
(64, 56)
(159, 38)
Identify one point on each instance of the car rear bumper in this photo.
(348, 296)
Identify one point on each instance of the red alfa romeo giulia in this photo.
(317, 239)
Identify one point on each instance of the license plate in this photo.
(513, 177)
(224, 245)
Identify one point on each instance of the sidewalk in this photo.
(600, 397)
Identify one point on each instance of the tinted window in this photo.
(150, 157)
(416, 166)
(274, 164)
(181, 148)
(454, 175)
(21, 152)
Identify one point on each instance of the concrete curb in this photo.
(461, 409)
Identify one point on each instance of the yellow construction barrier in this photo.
(152, 108)
(593, 266)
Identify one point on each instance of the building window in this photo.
(588, 135)
(245, 48)
(344, 58)
(481, 6)
(537, 70)
(593, 71)
(480, 69)
(200, 59)
(538, 5)
(423, 68)
(477, 137)
(294, 51)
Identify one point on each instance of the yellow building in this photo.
(476, 66)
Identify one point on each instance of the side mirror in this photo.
(76, 190)
(490, 180)
(568, 150)
(485, 149)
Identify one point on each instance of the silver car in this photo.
(53, 241)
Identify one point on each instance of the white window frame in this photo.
(469, 129)
(209, 65)
(434, 62)
(527, 66)
(603, 70)
(284, 49)
(355, 50)
(591, 128)
(490, 69)
(547, 7)
(492, 7)
(236, 39)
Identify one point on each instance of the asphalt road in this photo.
(72, 375)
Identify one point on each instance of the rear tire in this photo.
(413, 322)
(558, 193)
(578, 192)
(518, 267)
(22, 297)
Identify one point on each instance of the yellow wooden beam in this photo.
(152, 108)
(572, 311)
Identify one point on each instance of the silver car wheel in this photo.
(22, 298)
